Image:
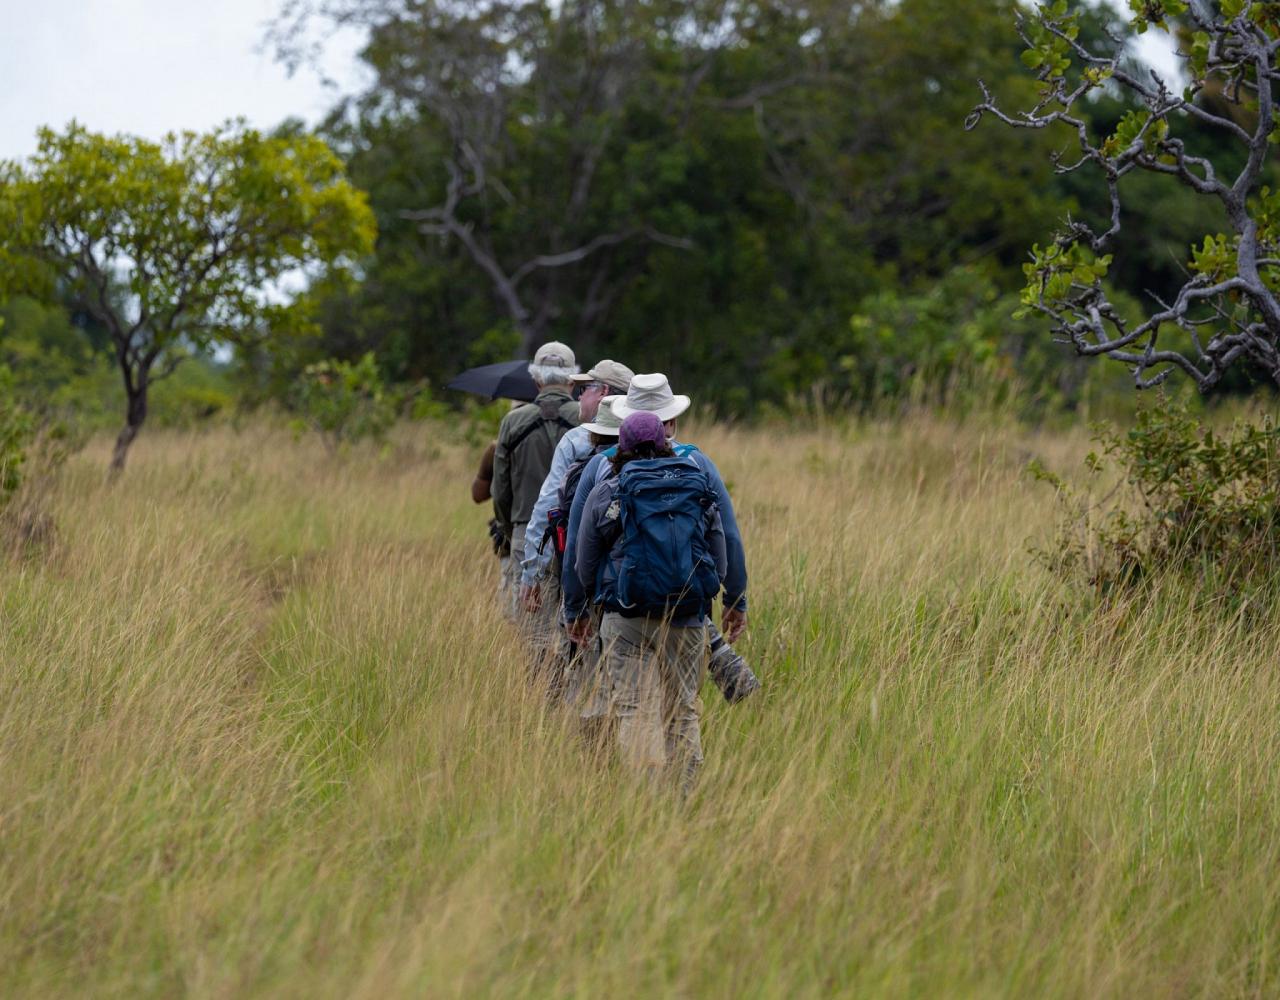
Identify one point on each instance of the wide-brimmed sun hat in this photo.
(642, 427)
(606, 423)
(614, 374)
(651, 394)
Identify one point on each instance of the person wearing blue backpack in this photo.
(651, 552)
(652, 394)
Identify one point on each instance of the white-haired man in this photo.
(527, 441)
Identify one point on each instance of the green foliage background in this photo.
(846, 237)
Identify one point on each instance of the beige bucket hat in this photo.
(651, 394)
(612, 373)
(607, 422)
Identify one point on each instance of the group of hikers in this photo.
(614, 540)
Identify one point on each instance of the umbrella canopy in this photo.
(505, 380)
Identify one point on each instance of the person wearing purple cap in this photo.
(642, 431)
(651, 552)
(729, 671)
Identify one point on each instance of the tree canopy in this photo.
(178, 246)
(1225, 313)
(709, 189)
(763, 199)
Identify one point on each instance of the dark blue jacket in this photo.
(735, 581)
(599, 554)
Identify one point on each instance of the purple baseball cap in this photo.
(640, 427)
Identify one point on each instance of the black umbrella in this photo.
(505, 380)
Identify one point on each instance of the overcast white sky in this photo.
(153, 66)
(147, 67)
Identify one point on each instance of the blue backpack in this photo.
(665, 565)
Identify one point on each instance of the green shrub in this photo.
(898, 339)
(16, 431)
(344, 401)
(962, 341)
(193, 404)
(198, 391)
(1187, 501)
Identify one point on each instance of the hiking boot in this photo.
(729, 670)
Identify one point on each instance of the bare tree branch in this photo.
(1068, 285)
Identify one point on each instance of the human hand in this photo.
(579, 630)
(733, 623)
(531, 597)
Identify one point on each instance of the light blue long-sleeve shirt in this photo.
(735, 582)
(573, 447)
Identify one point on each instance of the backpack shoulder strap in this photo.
(569, 486)
(548, 412)
(612, 532)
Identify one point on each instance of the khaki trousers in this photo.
(655, 671)
(504, 586)
(509, 585)
(549, 645)
(586, 684)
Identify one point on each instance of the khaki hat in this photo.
(612, 373)
(607, 423)
(651, 394)
(555, 355)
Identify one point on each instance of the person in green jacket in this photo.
(527, 441)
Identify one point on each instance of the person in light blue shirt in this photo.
(608, 378)
(539, 587)
(652, 393)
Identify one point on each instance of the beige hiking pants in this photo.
(548, 643)
(509, 584)
(587, 685)
(655, 671)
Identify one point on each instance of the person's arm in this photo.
(575, 600)
(503, 495)
(715, 542)
(735, 577)
(591, 546)
(481, 485)
(536, 564)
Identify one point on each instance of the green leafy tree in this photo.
(520, 103)
(199, 230)
(765, 138)
(1226, 312)
(58, 372)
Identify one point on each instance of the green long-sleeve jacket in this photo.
(526, 441)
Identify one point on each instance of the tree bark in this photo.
(134, 419)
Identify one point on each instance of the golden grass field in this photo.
(261, 735)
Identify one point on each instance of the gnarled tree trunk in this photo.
(134, 419)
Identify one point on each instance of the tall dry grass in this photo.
(261, 734)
